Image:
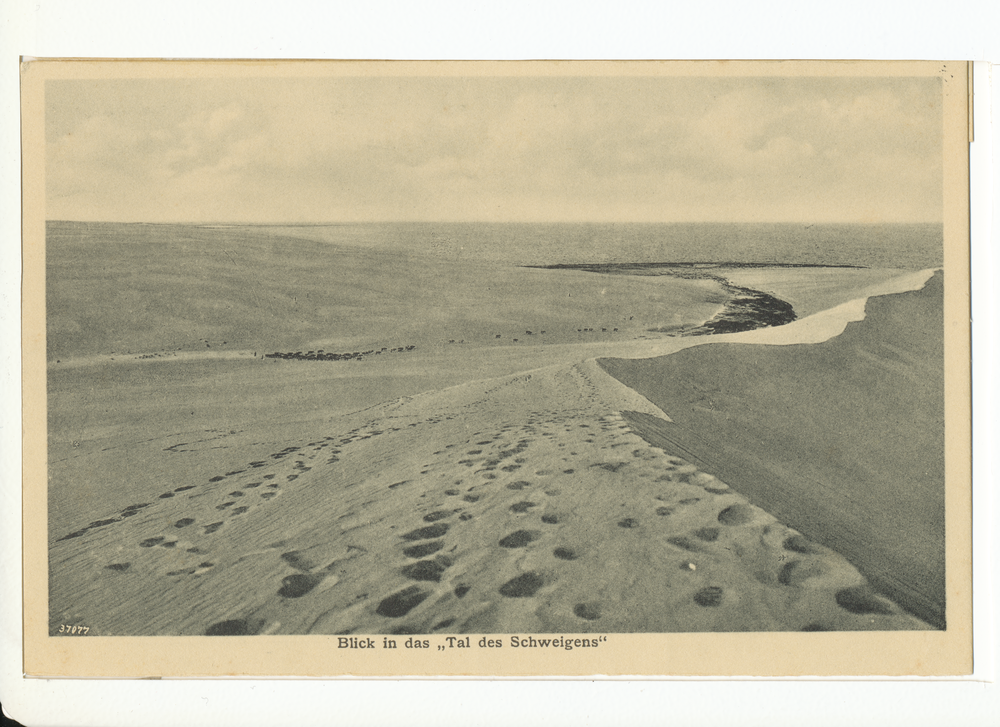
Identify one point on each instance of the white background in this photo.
(454, 29)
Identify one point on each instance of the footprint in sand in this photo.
(550, 519)
(736, 515)
(120, 567)
(799, 544)
(862, 599)
(427, 533)
(708, 597)
(565, 554)
(522, 507)
(423, 549)
(520, 538)
(235, 627)
(587, 611)
(184, 522)
(437, 515)
(709, 535)
(426, 570)
(684, 542)
(523, 586)
(519, 485)
(209, 529)
(401, 603)
(299, 584)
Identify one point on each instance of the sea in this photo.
(910, 246)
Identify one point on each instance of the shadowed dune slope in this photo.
(842, 440)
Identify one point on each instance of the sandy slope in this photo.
(522, 503)
(842, 439)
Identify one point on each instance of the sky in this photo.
(497, 149)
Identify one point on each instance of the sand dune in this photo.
(843, 440)
(518, 503)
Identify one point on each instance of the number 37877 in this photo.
(67, 629)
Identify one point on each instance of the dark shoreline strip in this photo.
(745, 310)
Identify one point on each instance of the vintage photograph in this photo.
(432, 356)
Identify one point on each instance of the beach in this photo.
(503, 461)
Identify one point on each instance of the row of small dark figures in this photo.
(323, 356)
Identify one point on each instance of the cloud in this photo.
(496, 149)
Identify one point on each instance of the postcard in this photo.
(496, 369)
